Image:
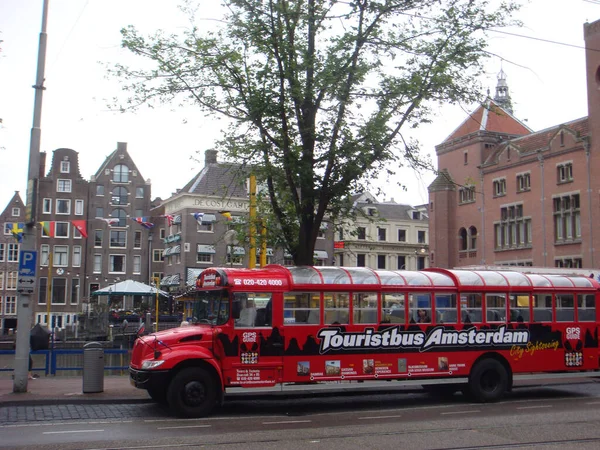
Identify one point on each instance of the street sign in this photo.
(27, 271)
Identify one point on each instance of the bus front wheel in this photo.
(488, 381)
(192, 393)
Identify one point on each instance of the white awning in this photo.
(320, 254)
(209, 218)
(202, 248)
(167, 251)
(236, 250)
(177, 218)
(175, 250)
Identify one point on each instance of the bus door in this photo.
(256, 354)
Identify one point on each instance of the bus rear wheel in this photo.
(192, 393)
(488, 381)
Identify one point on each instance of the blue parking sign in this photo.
(27, 263)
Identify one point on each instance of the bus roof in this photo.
(308, 276)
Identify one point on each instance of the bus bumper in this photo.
(148, 379)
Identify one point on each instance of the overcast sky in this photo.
(546, 82)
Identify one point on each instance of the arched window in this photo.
(121, 173)
(119, 196)
(462, 234)
(121, 215)
(472, 238)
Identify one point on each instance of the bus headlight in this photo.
(151, 364)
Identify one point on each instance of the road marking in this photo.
(379, 417)
(286, 421)
(534, 407)
(72, 431)
(461, 412)
(593, 403)
(181, 427)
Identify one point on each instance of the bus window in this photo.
(336, 307)
(251, 309)
(392, 308)
(445, 308)
(364, 305)
(586, 307)
(565, 308)
(495, 305)
(519, 308)
(470, 308)
(542, 308)
(302, 308)
(419, 308)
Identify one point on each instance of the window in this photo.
(100, 190)
(445, 308)
(60, 256)
(10, 305)
(99, 212)
(542, 308)
(364, 306)
(361, 260)
(251, 309)
(74, 291)
(523, 182)
(470, 306)
(586, 308)
(121, 215)
(336, 308)
(63, 185)
(137, 239)
(1, 284)
(162, 233)
(565, 308)
(420, 262)
(65, 167)
(381, 261)
(2, 252)
(118, 239)
(569, 263)
(77, 256)
(416, 215)
(8, 228)
(472, 238)
(47, 206)
(157, 255)
(301, 308)
(44, 254)
(13, 253)
(11, 280)
(382, 234)
(564, 173)
(466, 194)
(205, 257)
(204, 227)
(63, 206)
(98, 238)
(463, 241)
(119, 196)
(43, 291)
(288, 260)
(116, 264)
(236, 256)
(421, 237)
(139, 192)
(137, 264)
(97, 264)
(499, 187)
(567, 218)
(79, 207)
(401, 235)
(495, 307)
(361, 233)
(61, 229)
(513, 230)
(419, 308)
(401, 262)
(16, 212)
(59, 291)
(121, 173)
(466, 158)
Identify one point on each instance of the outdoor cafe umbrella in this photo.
(129, 287)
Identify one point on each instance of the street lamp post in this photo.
(156, 284)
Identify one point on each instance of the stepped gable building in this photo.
(14, 213)
(387, 236)
(508, 196)
(197, 238)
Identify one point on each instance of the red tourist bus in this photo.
(448, 330)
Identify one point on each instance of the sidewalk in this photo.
(117, 389)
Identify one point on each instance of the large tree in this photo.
(318, 93)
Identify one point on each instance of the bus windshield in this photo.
(211, 307)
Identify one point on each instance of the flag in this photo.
(17, 231)
(198, 216)
(143, 221)
(48, 228)
(110, 221)
(80, 226)
(170, 218)
(226, 214)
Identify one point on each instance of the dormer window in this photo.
(65, 167)
(416, 215)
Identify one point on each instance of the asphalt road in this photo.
(562, 416)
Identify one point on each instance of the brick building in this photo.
(508, 196)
